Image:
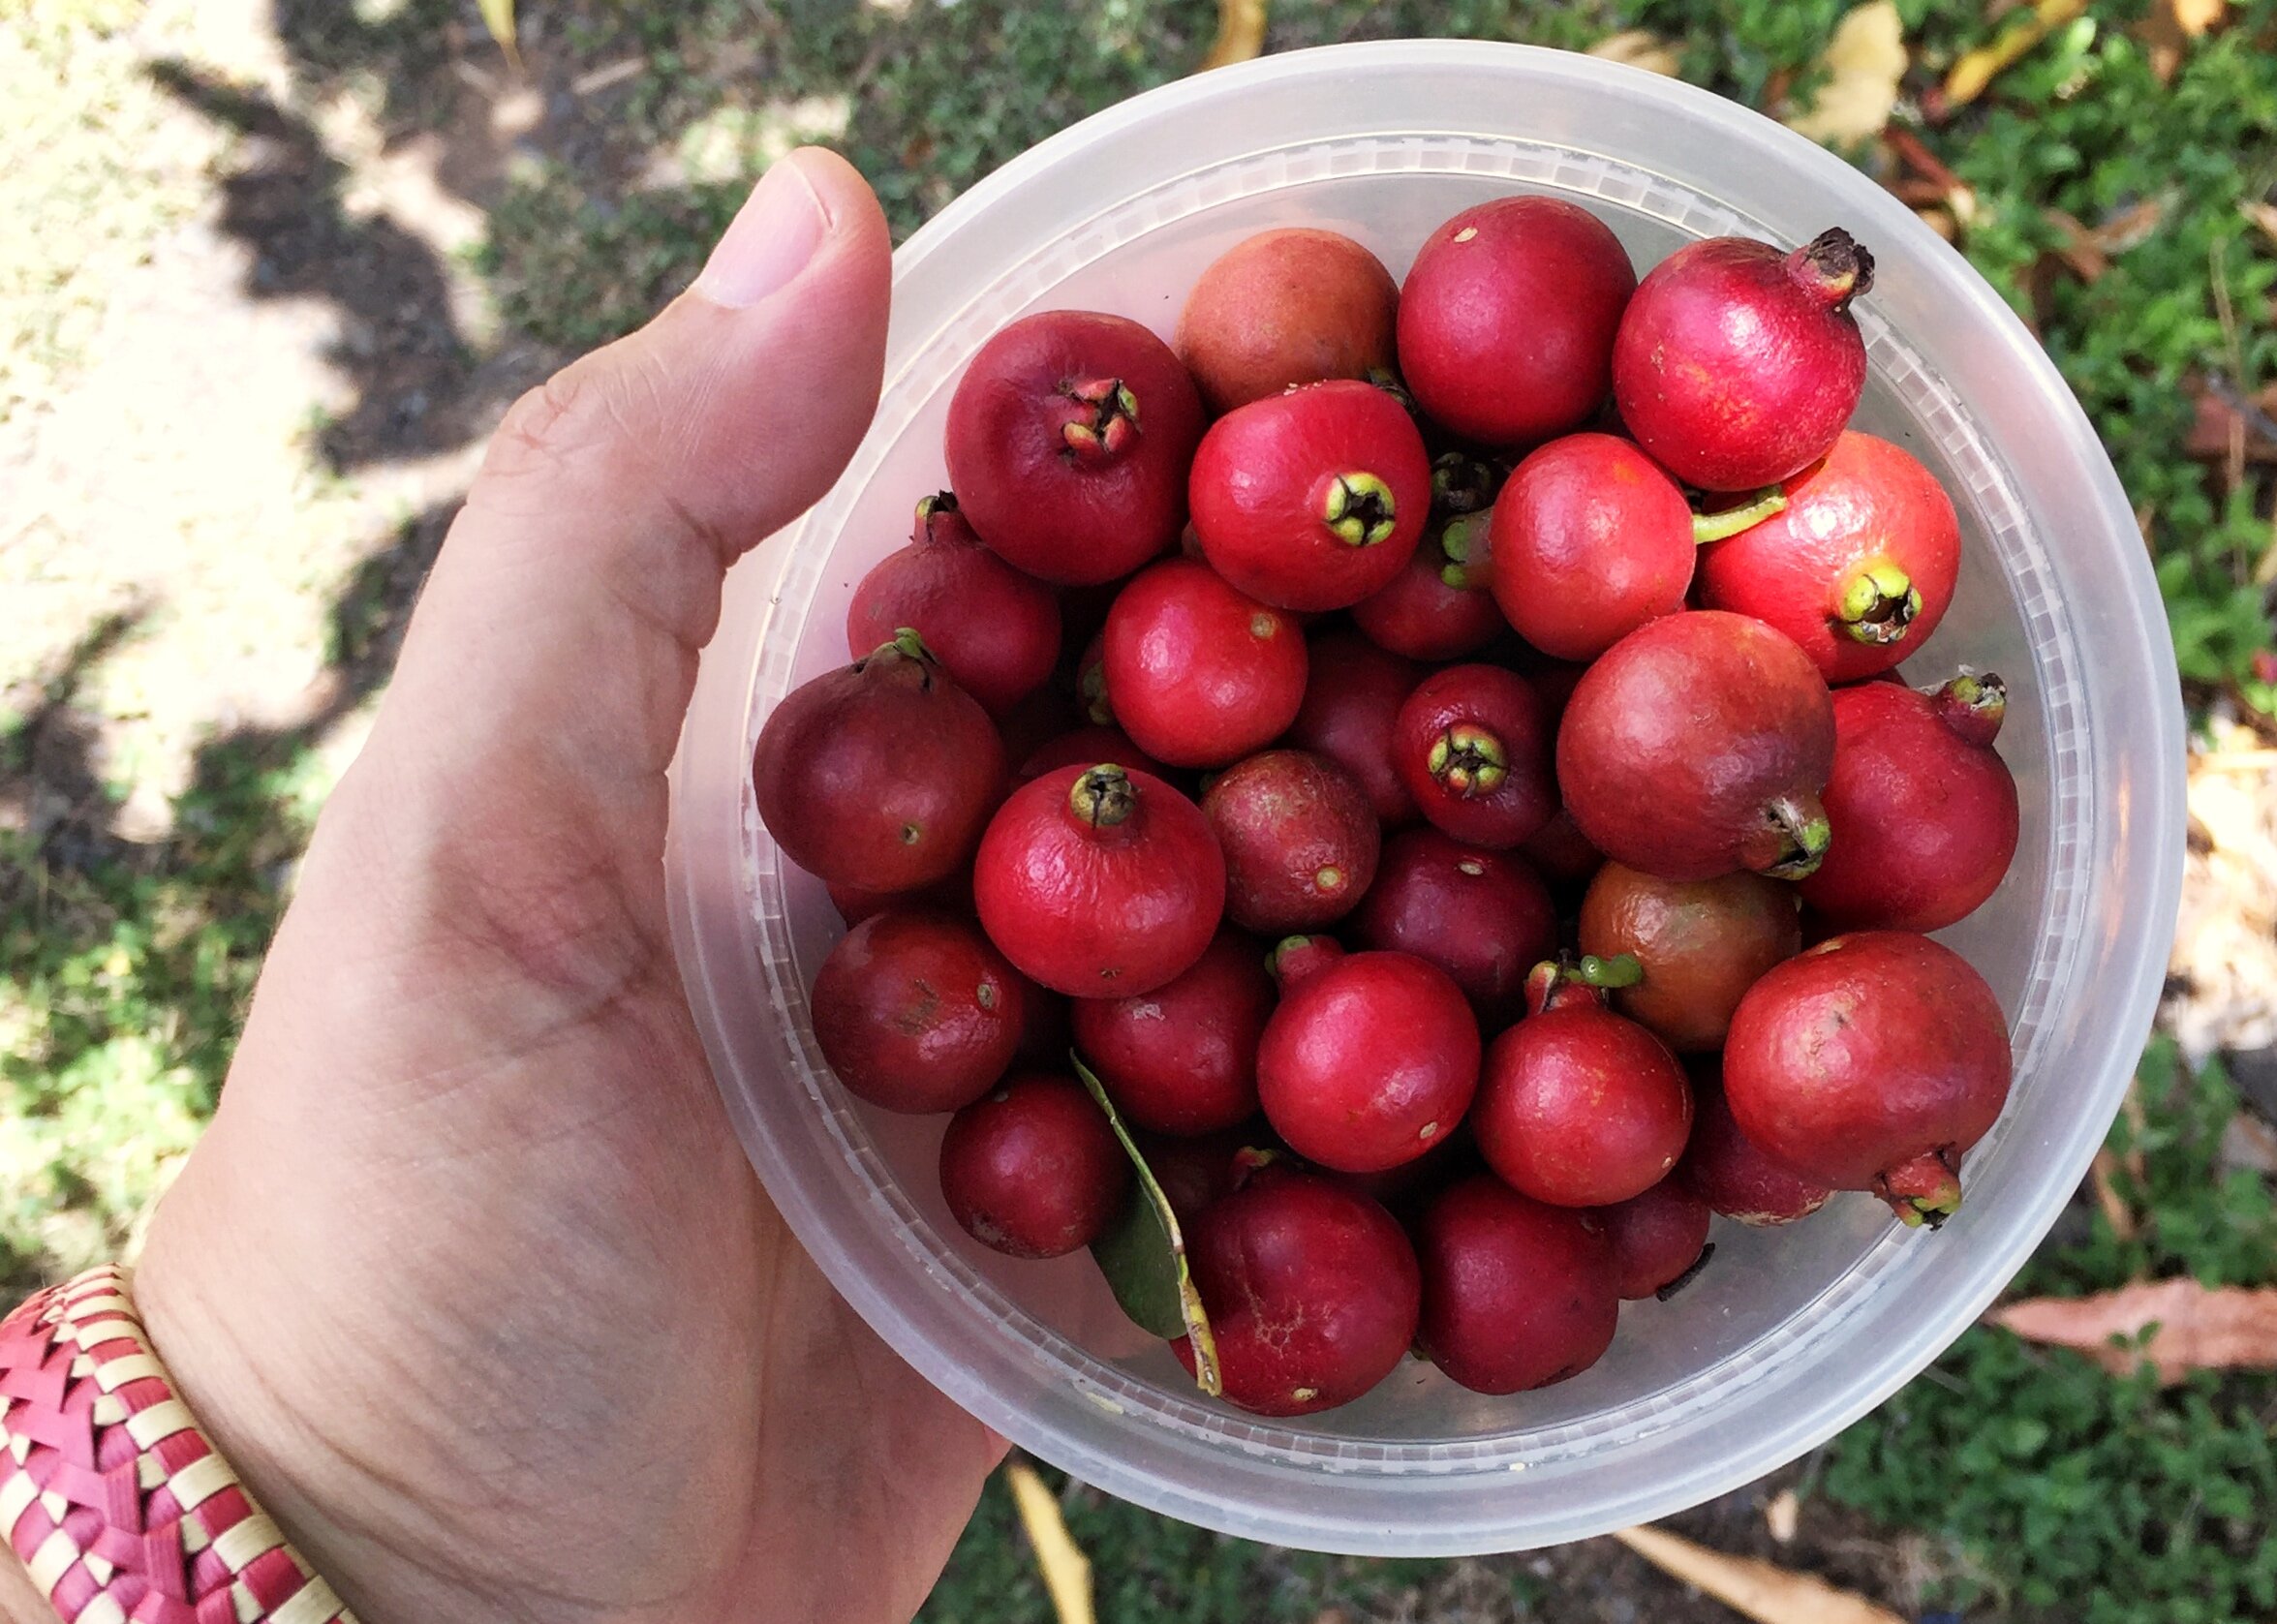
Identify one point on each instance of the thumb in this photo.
(545, 676)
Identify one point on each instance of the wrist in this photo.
(351, 1518)
(112, 1498)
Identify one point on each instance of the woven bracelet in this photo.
(119, 1505)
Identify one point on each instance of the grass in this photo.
(2059, 1486)
(89, 176)
(2051, 1489)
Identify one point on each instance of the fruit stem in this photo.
(1834, 266)
(1556, 983)
(1091, 689)
(1114, 419)
(1731, 521)
(1295, 960)
(1973, 705)
(1804, 833)
(1388, 381)
(905, 644)
(1691, 1273)
(1925, 1190)
(1622, 969)
(1463, 541)
(1461, 483)
(1877, 604)
(1468, 760)
(1103, 796)
(1359, 508)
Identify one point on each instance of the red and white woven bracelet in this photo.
(119, 1505)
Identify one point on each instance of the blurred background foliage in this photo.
(463, 222)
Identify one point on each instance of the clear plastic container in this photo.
(1790, 1335)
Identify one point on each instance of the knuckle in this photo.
(547, 428)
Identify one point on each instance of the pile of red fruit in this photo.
(1529, 626)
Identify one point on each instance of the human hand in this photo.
(470, 1277)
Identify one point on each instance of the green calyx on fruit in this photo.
(1468, 760)
(1114, 419)
(1731, 521)
(1461, 483)
(1973, 705)
(1622, 969)
(1359, 508)
(1925, 1190)
(1464, 542)
(1567, 980)
(1103, 796)
(1804, 834)
(905, 645)
(1834, 267)
(1877, 604)
(940, 502)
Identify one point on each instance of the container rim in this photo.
(1409, 1517)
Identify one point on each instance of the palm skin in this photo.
(470, 1277)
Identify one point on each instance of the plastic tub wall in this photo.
(1790, 1335)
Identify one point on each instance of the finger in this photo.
(521, 748)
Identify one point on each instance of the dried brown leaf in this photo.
(2223, 430)
(1976, 68)
(2171, 26)
(1241, 33)
(1763, 1591)
(2115, 1210)
(2131, 226)
(1067, 1571)
(1864, 59)
(2076, 247)
(2198, 1327)
(1939, 219)
(1957, 196)
(1639, 48)
(2263, 215)
(1783, 1516)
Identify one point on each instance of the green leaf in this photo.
(1143, 1256)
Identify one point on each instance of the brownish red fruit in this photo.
(1737, 365)
(1507, 319)
(1312, 1291)
(1182, 1058)
(1923, 807)
(1067, 443)
(1032, 1169)
(1702, 943)
(1698, 744)
(994, 629)
(1282, 308)
(1516, 1295)
(1871, 1063)
(1099, 882)
(878, 776)
(1299, 837)
(916, 1011)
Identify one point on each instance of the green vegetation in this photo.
(1149, 1570)
(2059, 1486)
(2048, 1487)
